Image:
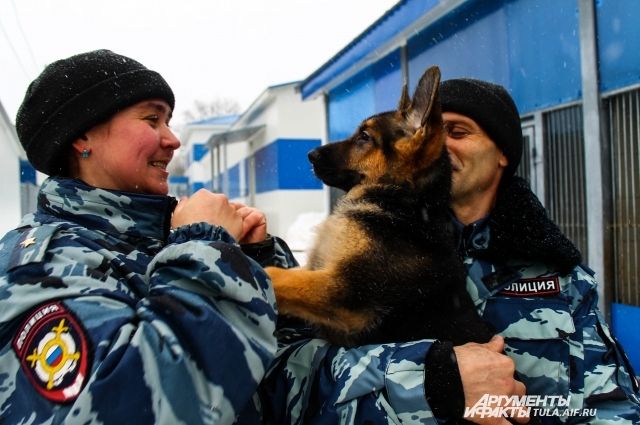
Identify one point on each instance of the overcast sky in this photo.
(205, 49)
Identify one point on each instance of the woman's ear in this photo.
(80, 144)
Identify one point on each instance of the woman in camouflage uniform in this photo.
(107, 315)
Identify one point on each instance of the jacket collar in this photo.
(114, 212)
(518, 228)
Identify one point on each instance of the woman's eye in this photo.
(152, 118)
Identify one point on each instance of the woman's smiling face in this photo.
(131, 151)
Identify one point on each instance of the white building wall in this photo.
(283, 115)
(284, 209)
(197, 133)
(10, 212)
(287, 117)
(297, 119)
(237, 152)
(277, 114)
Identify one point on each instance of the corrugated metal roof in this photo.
(218, 120)
(385, 34)
(233, 136)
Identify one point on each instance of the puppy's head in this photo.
(395, 147)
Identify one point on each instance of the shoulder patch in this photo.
(32, 245)
(52, 348)
(533, 287)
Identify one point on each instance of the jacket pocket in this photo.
(536, 332)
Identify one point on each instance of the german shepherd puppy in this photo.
(384, 266)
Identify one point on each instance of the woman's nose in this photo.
(170, 139)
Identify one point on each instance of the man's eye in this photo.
(456, 132)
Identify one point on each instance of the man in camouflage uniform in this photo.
(526, 280)
(106, 316)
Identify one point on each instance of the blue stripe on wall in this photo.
(178, 179)
(196, 186)
(27, 172)
(199, 150)
(624, 324)
(266, 166)
(234, 191)
(283, 165)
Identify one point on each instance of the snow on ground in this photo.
(301, 234)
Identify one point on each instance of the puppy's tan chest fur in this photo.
(341, 236)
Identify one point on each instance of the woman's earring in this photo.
(85, 153)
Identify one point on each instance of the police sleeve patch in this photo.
(535, 287)
(52, 348)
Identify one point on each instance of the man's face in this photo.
(477, 162)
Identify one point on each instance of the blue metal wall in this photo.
(531, 47)
(618, 43)
(283, 165)
(624, 322)
(374, 89)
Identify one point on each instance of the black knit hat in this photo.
(491, 106)
(73, 95)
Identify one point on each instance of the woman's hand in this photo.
(212, 208)
(254, 224)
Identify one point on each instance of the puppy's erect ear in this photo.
(405, 101)
(424, 105)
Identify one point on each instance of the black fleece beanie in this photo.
(491, 106)
(73, 95)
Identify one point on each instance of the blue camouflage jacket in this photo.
(106, 317)
(545, 307)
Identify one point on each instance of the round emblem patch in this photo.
(52, 348)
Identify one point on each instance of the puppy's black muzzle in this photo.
(328, 166)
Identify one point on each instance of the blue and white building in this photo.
(191, 168)
(260, 158)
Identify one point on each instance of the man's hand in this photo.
(484, 369)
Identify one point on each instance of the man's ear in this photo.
(502, 160)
